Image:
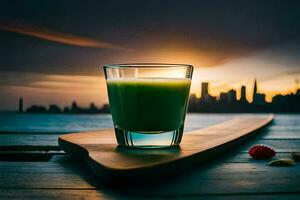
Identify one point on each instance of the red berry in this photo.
(261, 152)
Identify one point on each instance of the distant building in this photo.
(54, 109)
(37, 109)
(206, 98)
(223, 97)
(75, 108)
(204, 90)
(105, 108)
(243, 95)
(258, 98)
(21, 105)
(193, 103)
(254, 89)
(229, 97)
(93, 108)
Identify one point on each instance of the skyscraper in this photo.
(231, 96)
(258, 98)
(204, 90)
(254, 89)
(243, 94)
(20, 104)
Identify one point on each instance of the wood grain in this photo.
(217, 178)
(94, 194)
(112, 163)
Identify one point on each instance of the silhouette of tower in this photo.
(20, 104)
(243, 94)
(254, 89)
(204, 90)
(258, 98)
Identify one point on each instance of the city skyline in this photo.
(102, 97)
(225, 102)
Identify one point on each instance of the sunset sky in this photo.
(52, 51)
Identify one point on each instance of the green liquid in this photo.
(148, 105)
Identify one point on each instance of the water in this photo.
(44, 129)
(53, 123)
(64, 123)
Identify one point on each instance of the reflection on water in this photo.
(61, 123)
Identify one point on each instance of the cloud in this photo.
(39, 88)
(51, 81)
(58, 37)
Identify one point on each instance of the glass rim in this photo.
(147, 65)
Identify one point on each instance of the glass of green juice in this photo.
(148, 102)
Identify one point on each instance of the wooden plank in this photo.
(210, 179)
(280, 145)
(286, 127)
(64, 174)
(282, 135)
(94, 194)
(220, 177)
(28, 139)
(112, 163)
(52, 194)
(246, 158)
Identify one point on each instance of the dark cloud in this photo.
(215, 30)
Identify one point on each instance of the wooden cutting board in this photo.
(119, 165)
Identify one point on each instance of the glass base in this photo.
(160, 139)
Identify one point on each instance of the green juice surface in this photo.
(148, 104)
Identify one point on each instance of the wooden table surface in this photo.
(233, 176)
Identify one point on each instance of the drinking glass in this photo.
(148, 102)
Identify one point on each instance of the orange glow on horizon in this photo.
(63, 89)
